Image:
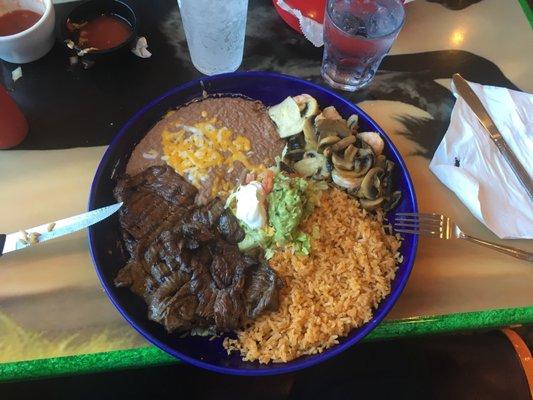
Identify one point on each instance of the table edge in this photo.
(152, 356)
(527, 11)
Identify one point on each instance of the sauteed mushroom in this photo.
(346, 179)
(327, 141)
(371, 184)
(350, 153)
(392, 201)
(310, 136)
(380, 161)
(340, 162)
(328, 113)
(353, 122)
(307, 104)
(371, 204)
(363, 161)
(333, 126)
(329, 147)
(343, 143)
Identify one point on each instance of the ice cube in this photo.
(380, 23)
(349, 23)
(384, 20)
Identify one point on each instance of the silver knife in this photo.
(42, 233)
(483, 116)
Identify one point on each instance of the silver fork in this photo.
(442, 227)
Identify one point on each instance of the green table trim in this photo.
(152, 356)
(527, 10)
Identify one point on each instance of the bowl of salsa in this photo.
(26, 30)
(17, 21)
(99, 27)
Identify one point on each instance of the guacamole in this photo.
(289, 202)
(286, 205)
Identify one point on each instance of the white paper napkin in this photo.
(469, 163)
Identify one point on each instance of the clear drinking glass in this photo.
(357, 35)
(215, 33)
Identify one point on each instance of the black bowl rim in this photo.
(76, 49)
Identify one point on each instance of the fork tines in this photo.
(421, 224)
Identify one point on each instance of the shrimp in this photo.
(374, 140)
(328, 113)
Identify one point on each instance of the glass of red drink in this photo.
(357, 35)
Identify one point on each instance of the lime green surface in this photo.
(527, 10)
(151, 356)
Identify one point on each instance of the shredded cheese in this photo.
(206, 152)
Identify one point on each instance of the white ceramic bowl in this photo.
(34, 42)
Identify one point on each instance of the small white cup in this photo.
(34, 42)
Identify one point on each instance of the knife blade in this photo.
(468, 95)
(22, 239)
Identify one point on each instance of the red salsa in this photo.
(17, 21)
(103, 32)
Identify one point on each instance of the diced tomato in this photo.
(268, 181)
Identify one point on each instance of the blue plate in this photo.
(105, 240)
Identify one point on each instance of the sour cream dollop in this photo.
(251, 205)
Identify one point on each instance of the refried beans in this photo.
(231, 136)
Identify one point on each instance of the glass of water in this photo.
(215, 32)
(357, 35)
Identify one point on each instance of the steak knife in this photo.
(483, 116)
(42, 233)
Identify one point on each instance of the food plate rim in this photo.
(274, 368)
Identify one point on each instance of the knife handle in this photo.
(516, 166)
(2, 242)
